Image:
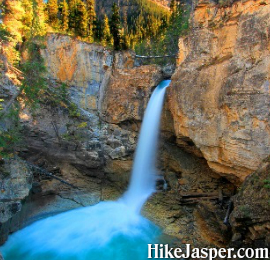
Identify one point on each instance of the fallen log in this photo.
(46, 173)
(197, 197)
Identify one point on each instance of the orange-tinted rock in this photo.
(82, 66)
(127, 93)
(219, 96)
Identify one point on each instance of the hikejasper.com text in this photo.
(164, 251)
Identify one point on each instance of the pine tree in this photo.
(72, 14)
(173, 6)
(82, 20)
(90, 6)
(38, 23)
(65, 16)
(27, 19)
(115, 25)
(106, 33)
(98, 26)
(125, 43)
(13, 17)
(52, 7)
(174, 10)
(13, 27)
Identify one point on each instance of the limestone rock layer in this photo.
(219, 96)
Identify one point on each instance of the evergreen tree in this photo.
(72, 14)
(65, 16)
(12, 26)
(82, 20)
(27, 18)
(52, 7)
(173, 6)
(98, 30)
(13, 17)
(106, 33)
(124, 41)
(90, 6)
(38, 23)
(115, 25)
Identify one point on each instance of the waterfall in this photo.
(143, 178)
(112, 230)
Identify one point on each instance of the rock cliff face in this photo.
(16, 182)
(250, 219)
(217, 107)
(128, 92)
(108, 90)
(219, 96)
(82, 66)
(94, 150)
(90, 145)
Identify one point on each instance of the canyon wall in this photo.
(108, 90)
(219, 96)
(94, 150)
(217, 107)
(16, 182)
(82, 66)
(88, 141)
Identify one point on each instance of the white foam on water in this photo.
(108, 230)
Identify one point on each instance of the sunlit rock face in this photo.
(219, 96)
(82, 66)
(112, 95)
(128, 90)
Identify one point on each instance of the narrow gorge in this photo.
(214, 150)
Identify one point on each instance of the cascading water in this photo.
(143, 177)
(108, 230)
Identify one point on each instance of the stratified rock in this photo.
(95, 144)
(82, 66)
(209, 218)
(250, 218)
(16, 182)
(127, 93)
(219, 96)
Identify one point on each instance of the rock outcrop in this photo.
(250, 218)
(90, 144)
(111, 95)
(219, 96)
(82, 66)
(127, 93)
(16, 182)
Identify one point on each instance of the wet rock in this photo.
(16, 182)
(168, 70)
(209, 218)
